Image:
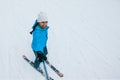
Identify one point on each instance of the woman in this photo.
(40, 37)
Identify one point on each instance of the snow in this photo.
(84, 38)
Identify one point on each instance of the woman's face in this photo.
(43, 24)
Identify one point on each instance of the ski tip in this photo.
(60, 74)
(24, 56)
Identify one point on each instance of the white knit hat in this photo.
(42, 17)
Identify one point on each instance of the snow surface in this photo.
(84, 38)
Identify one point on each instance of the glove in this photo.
(41, 56)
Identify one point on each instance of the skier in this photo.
(40, 37)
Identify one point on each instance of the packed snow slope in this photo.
(84, 38)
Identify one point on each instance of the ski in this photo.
(54, 69)
(32, 64)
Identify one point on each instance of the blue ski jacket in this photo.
(40, 37)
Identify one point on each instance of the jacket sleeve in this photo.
(39, 44)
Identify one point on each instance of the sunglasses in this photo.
(44, 22)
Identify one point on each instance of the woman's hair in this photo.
(34, 26)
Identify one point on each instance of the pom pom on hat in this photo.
(42, 17)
